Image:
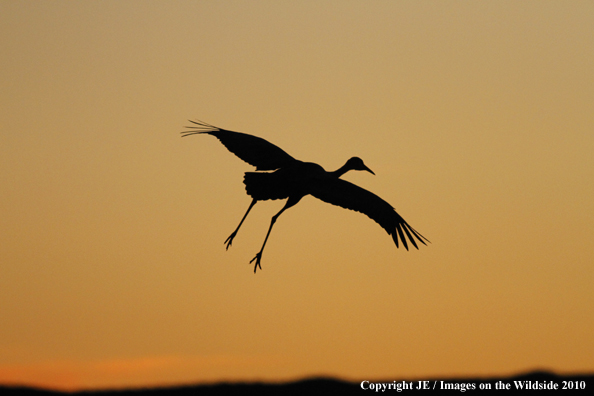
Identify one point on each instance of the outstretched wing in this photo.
(252, 149)
(349, 196)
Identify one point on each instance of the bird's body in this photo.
(291, 179)
(282, 183)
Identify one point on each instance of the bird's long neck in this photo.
(341, 171)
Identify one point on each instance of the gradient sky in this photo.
(477, 118)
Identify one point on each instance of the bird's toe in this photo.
(257, 259)
(229, 241)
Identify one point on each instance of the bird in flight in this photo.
(285, 177)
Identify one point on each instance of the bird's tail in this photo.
(263, 185)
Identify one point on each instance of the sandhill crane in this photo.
(294, 179)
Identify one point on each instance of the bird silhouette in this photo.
(291, 179)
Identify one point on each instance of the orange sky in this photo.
(477, 118)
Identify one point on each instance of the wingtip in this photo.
(411, 233)
(419, 236)
(395, 238)
(402, 238)
(410, 236)
(198, 128)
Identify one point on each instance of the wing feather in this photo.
(251, 149)
(349, 196)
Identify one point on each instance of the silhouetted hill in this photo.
(541, 381)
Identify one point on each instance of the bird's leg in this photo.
(229, 240)
(290, 202)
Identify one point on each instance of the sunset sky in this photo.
(476, 117)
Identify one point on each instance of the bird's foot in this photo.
(257, 258)
(229, 240)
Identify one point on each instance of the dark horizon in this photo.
(324, 384)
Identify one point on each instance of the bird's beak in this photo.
(369, 170)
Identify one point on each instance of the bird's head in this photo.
(356, 163)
